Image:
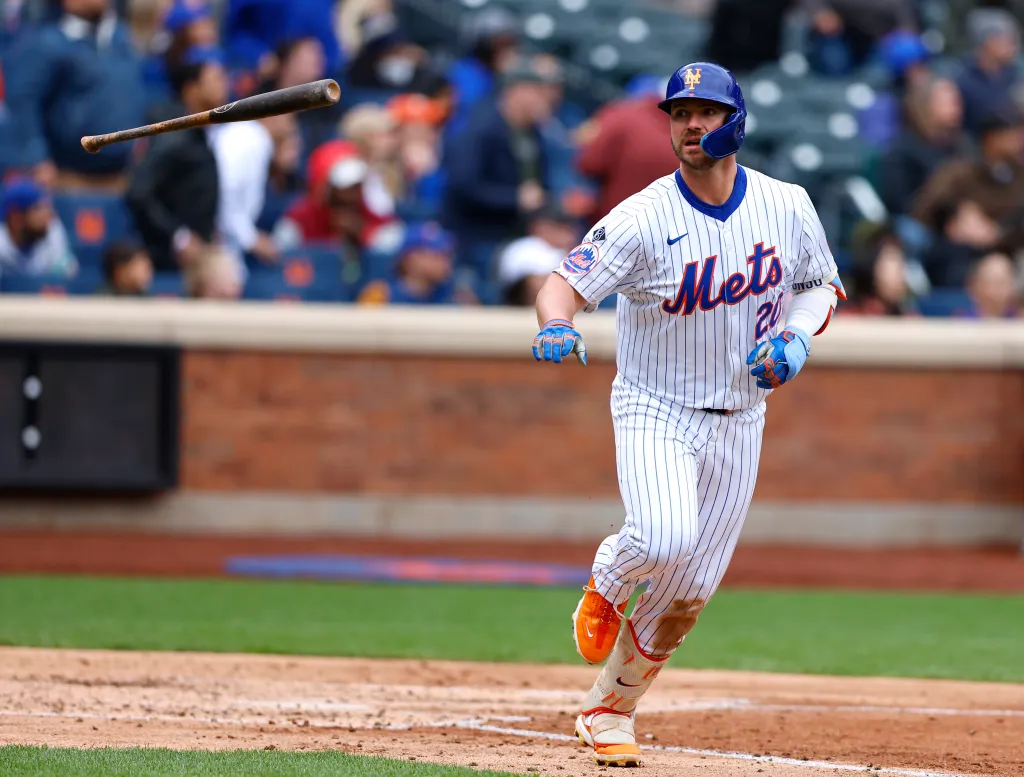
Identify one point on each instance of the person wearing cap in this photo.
(423, 272)
(343, 204)
(388, 59)
(498, 172)
(844, 33)
(525, 264)
(419, 119)
(622, 148)
(174, 190)
(32, 239)
(990, 74)
(186, 23)
(77, 76)
(994, 180)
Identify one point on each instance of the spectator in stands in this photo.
(995, 181)
(419, 120)
(174, 190)
(492, 43)
(424, 271)
(77, 76)
(350, 20)
(343, 204)
(879, 275)
(993, 289)
(32, 239)
(296, 62)
(374, 130)
(499, 173)
(963, 234)
(844, 33)
(525, 264)
(989, 77)
(746, 35)
(622, 147)
(187, 23)
(388, 60)
(284, 181)
(127, 270)
(243, 151)
(906, 59)
(931, 135)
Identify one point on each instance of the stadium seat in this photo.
(86, 282)
(943, 303)
(167, 284)
(92, 222)
(307, 274)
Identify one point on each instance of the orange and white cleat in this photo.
(595, 625)
(611, 735)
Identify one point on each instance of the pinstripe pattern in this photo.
(688, 314)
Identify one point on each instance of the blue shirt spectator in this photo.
(499, 173)
(187, 23)
(256, 28)
(78, 76)
(493, 41)
(423, 275)
(991, 74)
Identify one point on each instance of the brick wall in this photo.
(344, 423)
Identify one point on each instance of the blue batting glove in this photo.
(557, 340)
(780, 359)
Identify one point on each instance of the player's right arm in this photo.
(603, 264)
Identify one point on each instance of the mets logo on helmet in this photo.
(581, 259)
(691, 77)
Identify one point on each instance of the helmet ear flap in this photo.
(727, 139)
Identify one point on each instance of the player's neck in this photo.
(713, 186)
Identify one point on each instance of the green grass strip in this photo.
(821, 632)
(20, 761)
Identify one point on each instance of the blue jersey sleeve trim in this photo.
(720, 212)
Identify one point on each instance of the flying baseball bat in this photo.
(318, 94)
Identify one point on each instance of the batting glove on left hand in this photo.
(557, 340)
(780, 359)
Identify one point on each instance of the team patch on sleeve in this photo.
(581, 259)
(599, 235)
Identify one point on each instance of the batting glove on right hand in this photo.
(557, 340)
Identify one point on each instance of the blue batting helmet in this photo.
(708, 81)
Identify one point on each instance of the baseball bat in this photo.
(318, 94)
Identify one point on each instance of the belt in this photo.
(716, 411)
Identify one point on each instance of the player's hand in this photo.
(557, 340)
(780, 359)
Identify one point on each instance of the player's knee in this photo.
(673, 550)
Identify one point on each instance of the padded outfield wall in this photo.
(432, 423)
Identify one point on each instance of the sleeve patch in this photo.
(599, 235)
(581, 259)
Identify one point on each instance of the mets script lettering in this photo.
(694, 291)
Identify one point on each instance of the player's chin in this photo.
(695, 158)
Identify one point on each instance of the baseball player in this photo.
(703, 261)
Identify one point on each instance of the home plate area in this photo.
(510, 717)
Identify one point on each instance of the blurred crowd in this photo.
(464, 179)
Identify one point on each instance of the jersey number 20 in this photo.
(768, 316)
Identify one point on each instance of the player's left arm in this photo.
(816, 289)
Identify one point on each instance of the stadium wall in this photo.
(428, 422)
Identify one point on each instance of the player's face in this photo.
(692, 119)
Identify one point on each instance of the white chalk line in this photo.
(475, 724)
(519, 732)
(742, 705)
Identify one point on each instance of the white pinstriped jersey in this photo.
(700, 286)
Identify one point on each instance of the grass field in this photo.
(19, 761)
(847, 633)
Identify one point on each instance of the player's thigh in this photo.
(658, 480)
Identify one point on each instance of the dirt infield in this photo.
(513, 717)
(996, 569)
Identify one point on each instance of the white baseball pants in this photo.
(686, 477)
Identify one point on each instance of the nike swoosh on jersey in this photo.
(626, 685)
(673, 240)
